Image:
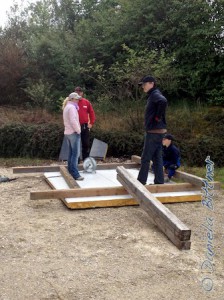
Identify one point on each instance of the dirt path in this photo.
(50, 252)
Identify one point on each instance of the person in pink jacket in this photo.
(72, 130)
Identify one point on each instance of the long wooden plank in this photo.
(175, 230)
(42, 169)
(122, 201)
(195, 180)
(88, 192)
(72, 193)
(181, 241)
(68, 178)
(37, 169)
(108, 166)
(155, 209)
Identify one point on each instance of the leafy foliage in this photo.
(108, 45)
(40, 94)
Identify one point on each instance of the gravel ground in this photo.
(50, 252)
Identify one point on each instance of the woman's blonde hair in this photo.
(65, 102)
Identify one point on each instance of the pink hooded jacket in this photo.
(71, 119)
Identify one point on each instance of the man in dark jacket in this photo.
(171, 156)
(155, 127)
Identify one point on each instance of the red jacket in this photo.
(86, 112)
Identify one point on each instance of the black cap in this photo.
(169, 137)
(147, 78)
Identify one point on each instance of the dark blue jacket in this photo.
(155, 110)
(171, 155)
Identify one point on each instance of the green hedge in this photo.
(120, 144)
(44, 141)
(39, 141)
(200, 136)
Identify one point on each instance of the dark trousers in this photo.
(152, 150)
(170, 167)
(85, 137)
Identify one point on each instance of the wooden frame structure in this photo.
(131, 192)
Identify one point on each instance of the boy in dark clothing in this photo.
(171, 156)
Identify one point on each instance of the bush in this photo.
(39, 141)
(199, 135)
(120, 144)
(195, 151)
(45, 141)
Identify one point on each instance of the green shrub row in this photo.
(195, 151)
(200, 135)
(34, 141)
(120, 144)
(44, 141)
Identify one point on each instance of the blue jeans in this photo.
(73, 141)
(152, 151)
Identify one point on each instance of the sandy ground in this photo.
(50, 252)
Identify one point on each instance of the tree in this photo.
(59, 38)
(13, 64)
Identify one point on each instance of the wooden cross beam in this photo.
(43, 169)
(195, 180)
(106, 191)
(168, 223)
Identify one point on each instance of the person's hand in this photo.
(90, 126)
(174, 167)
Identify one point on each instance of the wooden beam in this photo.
(168, 223)
(195, 180)
(73, 193)
(43, 169)
(79, 193)
(136, 159)
(171, 187)
(109, 166)
(90, 192)
(68, 178)
(37, 169)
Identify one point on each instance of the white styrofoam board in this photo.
(103, 178)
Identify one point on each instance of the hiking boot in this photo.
(79, 178)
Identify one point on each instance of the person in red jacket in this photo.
(87, 119)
